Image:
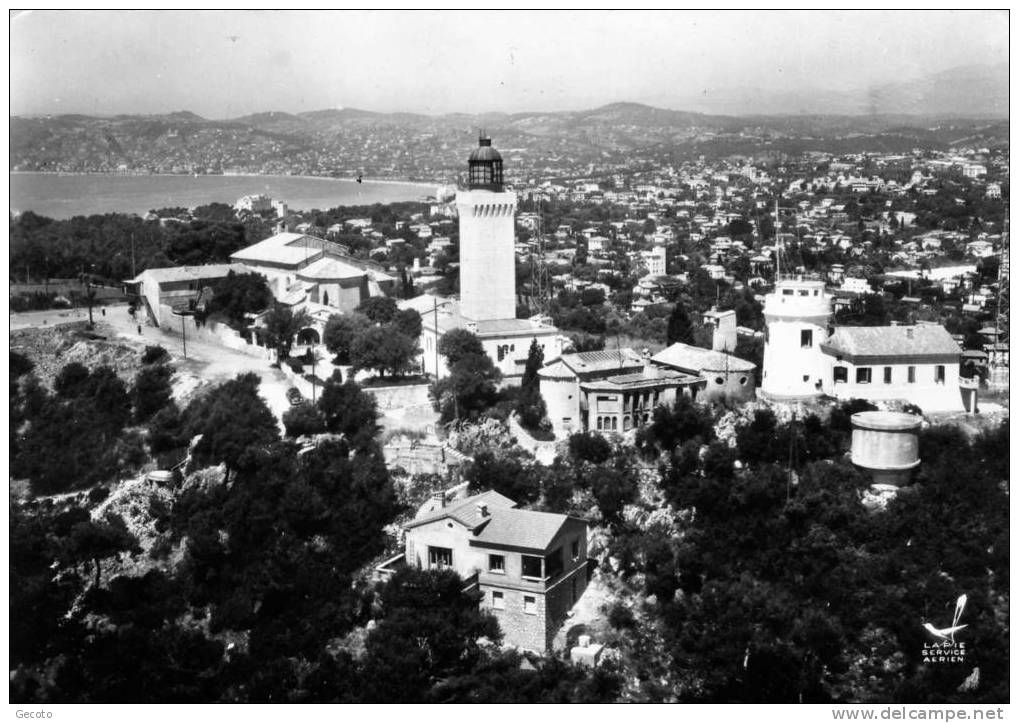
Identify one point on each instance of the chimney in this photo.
(439, 498)
(483, 509)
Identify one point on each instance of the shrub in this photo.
(621, 617)
(296, 364)
(155, 355)
(98, 494)
(303, 419)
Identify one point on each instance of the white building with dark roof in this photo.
(914, 364)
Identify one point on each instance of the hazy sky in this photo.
(224, 64)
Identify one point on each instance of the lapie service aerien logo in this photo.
(944, 648)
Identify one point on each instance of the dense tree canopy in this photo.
(234, 422)
(237, 295)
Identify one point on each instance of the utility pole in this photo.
(778, 249)
(88, 298)
(435, 341)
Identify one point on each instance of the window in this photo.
(719, 381)
(863, 375)
(888, 375)
(787, 292)
(498, 600)
(804, 292)
(497, 563)
(531, 566)
(806, 338)
(554, 563)
(439, 557)
(743, 381)
(939, 374)
(575, 550)
(530, 605)
(911, 375)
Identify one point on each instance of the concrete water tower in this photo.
(887, 445)
(796, 317)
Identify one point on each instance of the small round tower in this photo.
(887, 445)
(796, 318)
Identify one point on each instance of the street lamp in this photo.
(435, 319)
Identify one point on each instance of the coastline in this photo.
(380, 181)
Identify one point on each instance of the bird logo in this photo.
(948, 634)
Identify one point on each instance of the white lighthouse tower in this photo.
(487, 260)
(796, 316)
(487, 305)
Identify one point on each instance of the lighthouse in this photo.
(487, 304)
(487, 261)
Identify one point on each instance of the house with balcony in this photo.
(530, 567)
(609, 391)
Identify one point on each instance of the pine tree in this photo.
(680, 329)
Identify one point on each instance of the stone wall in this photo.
(418, 458)
(407, 395)
(212, 332)
(520, 629)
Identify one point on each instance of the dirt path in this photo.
(205, 362)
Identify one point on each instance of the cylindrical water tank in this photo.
(161, 477)
(887, 444)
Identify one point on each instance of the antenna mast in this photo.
(999, 368)
(541, 284)
(778, 247)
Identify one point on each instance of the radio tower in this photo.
(541, 282)
(999, 367)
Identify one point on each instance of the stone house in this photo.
(530, 567)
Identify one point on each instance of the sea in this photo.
(62, 196)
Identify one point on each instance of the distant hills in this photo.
(962, 105)
(973, 91)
